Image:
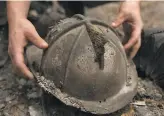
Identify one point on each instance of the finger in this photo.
(19, 65)
(119, 20)
(134, 38)
(34, 37)
(135, 49)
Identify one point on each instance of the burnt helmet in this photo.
(85, 66)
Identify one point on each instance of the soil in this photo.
(22, 97)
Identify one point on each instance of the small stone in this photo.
(22, 81)
(2, 106)
(8, 99)
(142, 91)
(30, 83)
(5, 113)
(19, 87)
(49, 10)
(33, 95)
(157, 96)
(143, 111)
(21, 107)
(33, 111)
(2, 78)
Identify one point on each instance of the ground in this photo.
(21, 97)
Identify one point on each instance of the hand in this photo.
(20, 32)
(129, 12)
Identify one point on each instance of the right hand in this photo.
(129, 12)
(20, 32)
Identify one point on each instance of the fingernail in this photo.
(44, 44)
(126, 49)
(113, 24)
(31, 76)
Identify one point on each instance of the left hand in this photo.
(130, 12)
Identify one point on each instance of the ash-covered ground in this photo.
(21, 97)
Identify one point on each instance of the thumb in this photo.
(119, 20)
(34, 37)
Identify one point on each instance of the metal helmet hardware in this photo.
(85, 66)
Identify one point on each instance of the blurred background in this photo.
(47, 13)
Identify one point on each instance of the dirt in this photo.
(21, 97)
